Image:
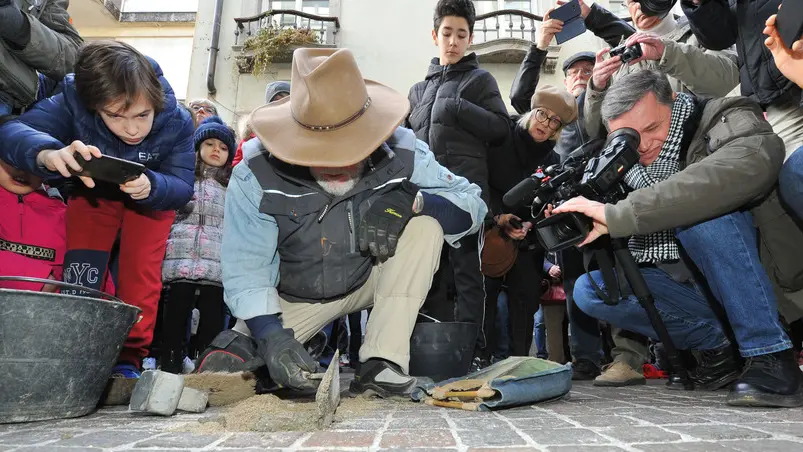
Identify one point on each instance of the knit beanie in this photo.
(556, 99)
(214, 127)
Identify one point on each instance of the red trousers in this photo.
(92, 228)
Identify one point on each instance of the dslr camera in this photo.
(588, 171)
(628, 54)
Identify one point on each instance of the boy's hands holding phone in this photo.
(63, 160)
(138, 188)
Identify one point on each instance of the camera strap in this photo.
(608, 270)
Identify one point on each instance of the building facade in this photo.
(391, 39)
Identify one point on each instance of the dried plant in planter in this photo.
(272, 41)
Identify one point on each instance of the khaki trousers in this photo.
(553, 321)
(396, 289)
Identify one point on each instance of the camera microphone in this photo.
(522, 194)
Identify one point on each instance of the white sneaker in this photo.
(149, 364)
(189, 366)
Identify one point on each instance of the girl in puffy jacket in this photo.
(117, 103)
(191, 268)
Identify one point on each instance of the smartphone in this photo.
(789, 22)
(573, 23)
(108, 169)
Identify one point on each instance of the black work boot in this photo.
(583, 369)
(716, 369)
(772, 380)
(384, 379)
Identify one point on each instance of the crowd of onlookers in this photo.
(712, 213)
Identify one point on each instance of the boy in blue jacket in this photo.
(117, 103)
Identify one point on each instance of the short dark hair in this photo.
(107, 71)
(458, 8)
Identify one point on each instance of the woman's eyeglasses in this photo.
(554, 122)
(206, 109)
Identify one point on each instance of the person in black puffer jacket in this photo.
(530, 145)
(458, 111)
(719, 24)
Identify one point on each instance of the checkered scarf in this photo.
(661, 246)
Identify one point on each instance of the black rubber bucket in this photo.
(57, 351)
(442, 350)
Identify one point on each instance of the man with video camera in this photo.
(706, 178)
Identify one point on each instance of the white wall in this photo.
(161, 6)
(172, 54)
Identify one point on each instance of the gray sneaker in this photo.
(384, 379)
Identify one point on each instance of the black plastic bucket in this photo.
(442, 350)
(57, 351)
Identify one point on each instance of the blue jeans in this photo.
(502, 326)
(5, 109)
(724, 250)
(585, 338)
(539, 334)
(791, 182)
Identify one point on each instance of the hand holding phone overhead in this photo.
(573, 23)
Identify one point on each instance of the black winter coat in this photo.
(458, 111)
(719, 24)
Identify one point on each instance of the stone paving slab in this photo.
(647, 418)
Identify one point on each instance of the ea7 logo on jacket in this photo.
(145, 157)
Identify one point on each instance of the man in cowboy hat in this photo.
(342, 210)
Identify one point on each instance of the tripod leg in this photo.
(678, 375)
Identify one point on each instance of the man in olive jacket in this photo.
(706, 179)
(36, 37)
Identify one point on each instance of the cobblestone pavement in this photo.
(646, 418)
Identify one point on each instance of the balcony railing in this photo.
(326, 27)
(506, 23)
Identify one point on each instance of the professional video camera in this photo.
(588, 171)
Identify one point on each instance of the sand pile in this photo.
(268, 413)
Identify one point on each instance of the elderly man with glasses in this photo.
(202, 108)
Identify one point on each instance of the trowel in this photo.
(327, 398)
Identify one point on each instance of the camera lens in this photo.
(565, 231)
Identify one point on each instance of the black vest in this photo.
(319, 257)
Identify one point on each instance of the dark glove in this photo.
(287, 360)
(385, 220)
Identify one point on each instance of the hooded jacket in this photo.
(167, 152)
(458, 111)
(33, 237)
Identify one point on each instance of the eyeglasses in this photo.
(197, 108)
(554, 122)
(576, 71)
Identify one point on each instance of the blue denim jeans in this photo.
(5, 109)
(724, 251)
(791, 182)
(539, 334)
(585, 338)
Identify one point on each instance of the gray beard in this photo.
(337, 188)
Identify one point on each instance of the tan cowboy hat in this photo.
(333, 117)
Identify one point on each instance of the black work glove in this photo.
(287, 360)
(385, 220)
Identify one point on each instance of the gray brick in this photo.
(491, 437)
(260, 440)
(565, 436)
(633, 434)
(604, 448)
(28, 437)
(506, 449)
(766, 446)
(603, 421)
(540, 422)
(718, 432)
(726, 417)
(407, 439)
(104, 439)
(60, 449)
(523, 413)
(662, 417)
(175, 440)
(357, 425)
(792, 429)
(685, 447)
(423, 423)
(488, 423)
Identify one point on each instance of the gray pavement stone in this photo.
(717, 432)
(59, 449)
(604, 448)
(685, 447)
(541, 423)
(501, 449)
(261, 440)
(29, 437)
(491, 437)
(104, 439)
(177, 440)
(791, 429)
(766, 446)
(661, 417)
(565, 436)
(422, 423)
(406, 439)
(603, 421)
(340, 439)
(489, 423)
(634, 434)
